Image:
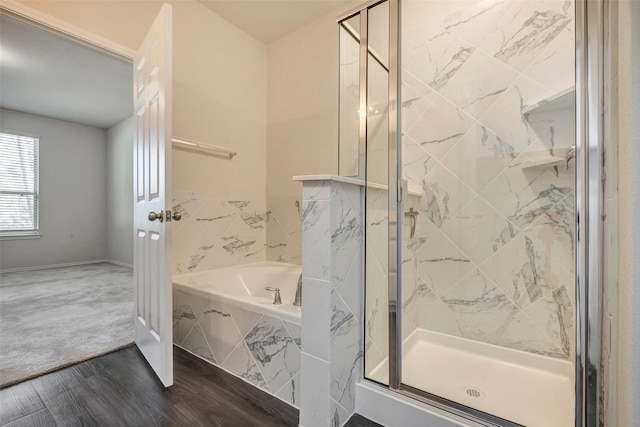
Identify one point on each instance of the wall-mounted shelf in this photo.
(544, 162)
(558, 101)
(548, 161)
(412, 189)
(199, 147)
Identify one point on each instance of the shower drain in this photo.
(473, 392)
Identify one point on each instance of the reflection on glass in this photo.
(377, 197)
(349, 141)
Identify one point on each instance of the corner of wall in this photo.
(119, 191)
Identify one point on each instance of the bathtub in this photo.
(226, 317)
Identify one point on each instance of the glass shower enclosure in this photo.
(460, 116)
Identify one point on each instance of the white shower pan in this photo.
(525, 388)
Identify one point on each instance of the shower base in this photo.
(525, 388)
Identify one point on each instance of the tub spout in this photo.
(298, 299)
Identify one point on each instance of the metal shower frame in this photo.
(589, 102)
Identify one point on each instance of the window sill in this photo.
(20, 236)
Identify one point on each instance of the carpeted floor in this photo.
(57, 317)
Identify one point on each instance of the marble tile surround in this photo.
(332, 278)
(284, 230)
(261, 349)
(492, 259)
(217, 232)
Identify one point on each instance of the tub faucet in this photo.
(277, 300)
(298, 299)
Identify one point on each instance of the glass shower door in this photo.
(377, 195)
(488, 235)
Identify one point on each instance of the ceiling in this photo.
(41, 73)
(269, 20)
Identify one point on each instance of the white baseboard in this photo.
(121, 264)
(43, 267)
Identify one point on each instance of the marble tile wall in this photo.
(261, 349)
(376, 337)
(331, 314)
(492, 258)
(284, 230)
(217, 232)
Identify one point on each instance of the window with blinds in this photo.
(18, 184)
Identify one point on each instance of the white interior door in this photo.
(152, 197)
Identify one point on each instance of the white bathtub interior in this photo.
(244, 285)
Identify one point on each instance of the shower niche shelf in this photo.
(544, 159)
(544, 162)
(413, 189)
(564, 99)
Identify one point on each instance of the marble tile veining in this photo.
(241, 363)
(217, 232)
(441, 125)
(197, 344)
(183, 317)
(219, 329)
(479, 83)
(274, 351)
(492, 255)
(479, 156)
(479, 231)
(479, 304)
(345, 353)
(253, 346)
(441, 57)
(525, 31)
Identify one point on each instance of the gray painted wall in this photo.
(120, 192)
(73, 181)
(628, 363)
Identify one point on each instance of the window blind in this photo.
(18, 183)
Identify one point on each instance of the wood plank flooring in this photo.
(119, 389)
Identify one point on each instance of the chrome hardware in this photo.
(412, 214)
(153, 216)
(403, 190)
(571, 154)
(297, 301)
(276, 298)
(176, 216)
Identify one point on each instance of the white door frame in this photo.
(66, 30)
(77, 35)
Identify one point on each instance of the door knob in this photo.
(153, 216)
(176, 216)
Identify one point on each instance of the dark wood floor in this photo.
(119, 389)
